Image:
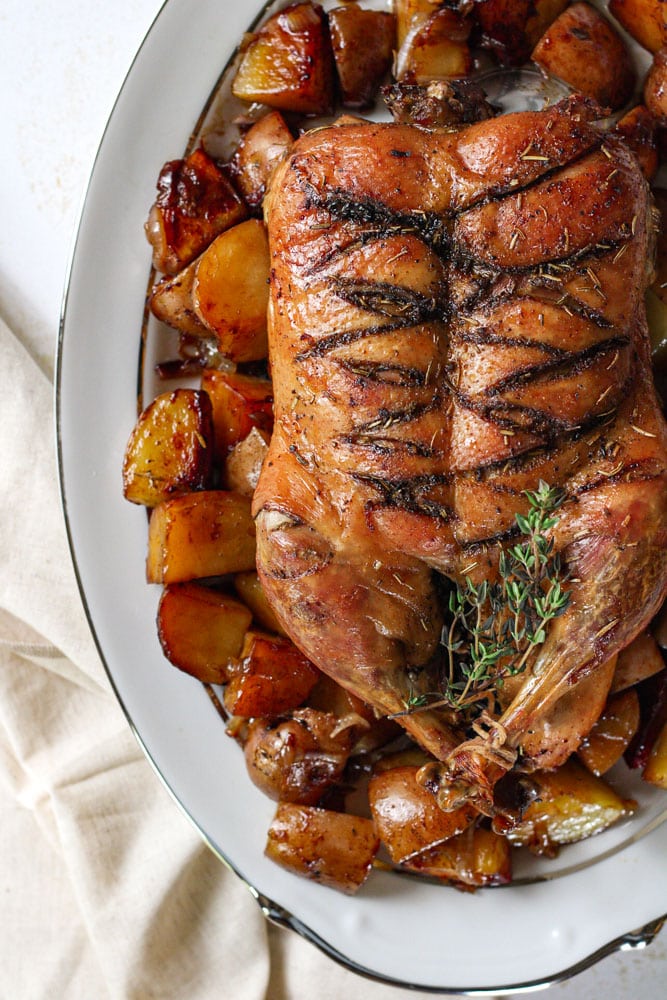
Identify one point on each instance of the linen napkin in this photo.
(106, 890)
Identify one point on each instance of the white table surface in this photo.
(61, 67)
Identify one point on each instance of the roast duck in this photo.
(455, 317)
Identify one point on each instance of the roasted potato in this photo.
(171, 302)
(288, 63)
(655, 771)
(201, 630)
(655, 88)
(573, 804)
(582, 48)
(249, 588)
(512, 28)
(244, 462)
(370, 731)
(363, 43)
(260, 150)
(200, 535)
(240, 402)
(335, 849)
(406, 815)
(639, 660)
(299, 758)
(637, 129)
(195, 202)
(652, 695)
(270, 677)
(435, 49)
(170, 450)
(643, 19)
(230, 291)
(409, 14)
(472, 859)
(610, 736)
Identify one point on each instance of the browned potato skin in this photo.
(437, 50)
(288, 63)
(512, 28)
(201, 630)
(334, 849)
(637, 129)
(363, 43)
(406, 815)
(655, 88)
(195, 202)
(582, 48)
(271, 677)
(170, 450)
(643, 19)
(171, 302)
(610, 736)
(639, 660)
(474, 858)
(240, 402)
(260, 150)
(230, 290)
(200, 535)
(299, 758)
(251, 592)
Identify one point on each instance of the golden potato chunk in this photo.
(409, 14)
(582, 48)
(260, 150)
(363, 44)
(406, 815)
(249, 588)
(171, 302)
(170, 450)
(473, 858)
(512, 28)
(200, 535)
(240, 402)
(201, 630)
(194, 203)
(230, 291)
(436, 49)
(270, 677)
(573, 805)
(332, 848)
(288, 63)
(610, 736)
(655, 771)
(643, 19)
(655, 88)
(639, 660)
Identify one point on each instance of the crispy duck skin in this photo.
(454, 317)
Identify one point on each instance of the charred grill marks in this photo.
(557, 368)
(381, 297)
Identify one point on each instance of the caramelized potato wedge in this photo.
(170, 450)
(474, 858)
(201, 630)
(655, 771)
(436, 49)
(655, 87)
(643, 19)
(244, 462)
(363, 43)
(335, 849)
(369, 731)
(195, 202)
(299, 758)
(260, 150)
(639, 660)
(573, 804)
(637, 129)
(249, 588)
(230, 291)
(240, 402)
(512, 28)
(288, 63)
(199, 535)
(171, 302)
(271, 677)
(610, 736)
(583, 48)
(409, 14)
(406, 815)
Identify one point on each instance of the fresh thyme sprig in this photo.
(495, 627)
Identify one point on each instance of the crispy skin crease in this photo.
(453, 317)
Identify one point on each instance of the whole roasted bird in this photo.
(456, 316)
